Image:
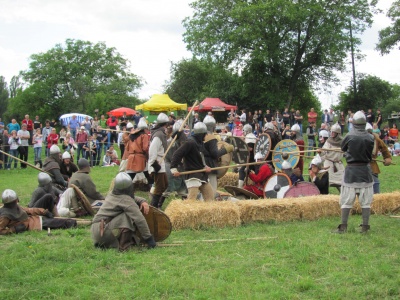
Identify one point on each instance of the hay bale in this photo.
(198, 214)
(232, 179)
(382, 203)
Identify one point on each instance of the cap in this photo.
(66, 155)
(295, 128)
(122, 181)
(9, 196)
(54, 149)
(199, 127)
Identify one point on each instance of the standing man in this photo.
(81, 139)
(370, 116)
(13, 126)
(243, 117)
(299, 120)
(358, 146)
(136, 119)
(112, 123)
(25, 136)
(29, 126)
(331, 117)
(73, 126)
(156, 165)
(312, 116)
(37, 124)
(268, 116)
(46, 131)
(286, 117)
(1, 126)
(292, 117)
(378, 118)
(325, 119)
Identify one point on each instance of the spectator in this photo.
(37, 124)
(370, 116)
(268, 116)
(299, 120)
(37, 141)
(112, 123)
(379, 118)
(1, 126)
(325, 117)
(331, 117)
(286, 117)
(312, 116)
(23, 149)
(393, 134)
(45, 133)
(292, 118)
(29, 127)
(238, 130)
(81, 139)
(342, 121)
(243, 117)
(73, 126)
(14, 141)
(13, 126)
(5, 147)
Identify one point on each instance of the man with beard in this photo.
(192, 153)
(67, 167)
(119, 220)
(175, 184)
(212, 153)
(17, 219)
(52, 165)
(358, 146)
(379, 146)
(297, 137)
(156, 152)
(250, 139)
(45, 196)
(259, 176)
(333, 159)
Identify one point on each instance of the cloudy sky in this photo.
(147, 32)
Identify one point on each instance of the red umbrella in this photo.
(119, 112)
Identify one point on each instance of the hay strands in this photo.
(225, 167)
(182, 243)
(180, 129)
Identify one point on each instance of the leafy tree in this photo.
(15, 85)
(72, 77)
(389, 37)
(3, 95)
(372, 92)
(289, 44)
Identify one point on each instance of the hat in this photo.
(316, 161)
(9, 196)
(66, 155)
(122, 181)
(199, 127)
(83, 127)
(83, 163)
(43, 178)
(54, 149)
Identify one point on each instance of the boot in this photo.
(364, 228)
(240, 184)
(80, 213)
(154, 200)
(342, 228)
(125, 239)
(161, 202)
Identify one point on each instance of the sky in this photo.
(146, 32)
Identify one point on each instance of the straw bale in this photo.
(232, 179)
(198, 214)
(382, 203)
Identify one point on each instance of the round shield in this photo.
(282, 147)
(159, 223)
(301, 189)
(239, 192)
(241, 152)
(224, 160)
(277, 185)
(82, 200)
(263, 145)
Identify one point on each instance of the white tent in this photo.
(64, 119)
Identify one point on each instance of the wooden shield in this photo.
(301, 189)
(263, 145)
(240, 193)
(159, 223)
(82, 200)
(277, 185)
(285, 146)
(241, 152)
(224, 160)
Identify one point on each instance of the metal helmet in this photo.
(368, 127)
(177, 126)
(54, 149)
(142, 124)
(43, 179)
(258, 156)
(359, 118)
(129, 125)
(66, 155)
(247, 128)
(9, 196)
(83, 163)
(209, 120)
(122, 181)
(295, 128)
(324, 134)
(162, 118)
(286, 165)
(250, 139)
(316, 161)
(336, 128)
(199, 127)
(269, 126)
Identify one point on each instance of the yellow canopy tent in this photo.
(160, 103)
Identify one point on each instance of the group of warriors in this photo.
(173, 162)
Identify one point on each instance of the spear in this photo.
(28, 164)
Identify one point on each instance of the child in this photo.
(37, 142)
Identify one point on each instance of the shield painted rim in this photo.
(261, 144)
(285, 146)
(279, 178)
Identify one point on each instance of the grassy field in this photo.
(293, 260)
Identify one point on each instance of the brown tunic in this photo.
(33, 222)
(138, 151)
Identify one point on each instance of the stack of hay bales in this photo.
(197, 214)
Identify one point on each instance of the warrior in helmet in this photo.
(295, 175)
(192, 153)
(119, 220)
(358, 146)
(333, 159)
(250, 139)
(269, 128)
(45, 196)
(158, 146)
(318, 175)
(52, 165)
(296, 136)
(67, 167)
(260, 176)
(379, 146)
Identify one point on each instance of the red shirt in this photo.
(52, 139)
(29, 124)
(312, 117)
(111, 124)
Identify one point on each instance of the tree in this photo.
(372, 92)
(289, 43)
(68, 78)
(3, 95)
(15, 86)
(389, 37)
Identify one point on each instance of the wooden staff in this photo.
(28, 164)
(180, 129)
(182, 243)
(226, 167)
(123, 131)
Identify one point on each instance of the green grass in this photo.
(294, 260)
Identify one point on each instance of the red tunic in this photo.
(259, 180)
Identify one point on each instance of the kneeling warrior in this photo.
(250, 139)
(259, 177)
